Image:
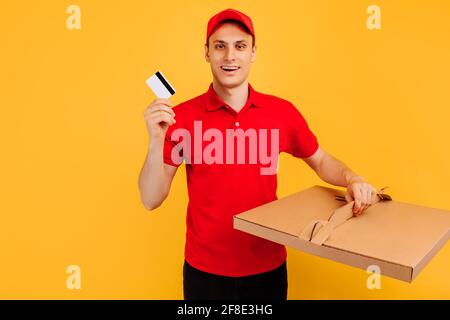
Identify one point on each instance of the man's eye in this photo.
(219, 46)
(241, 47)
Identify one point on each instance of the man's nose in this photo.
(229, 54)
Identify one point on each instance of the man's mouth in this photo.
(229, 68)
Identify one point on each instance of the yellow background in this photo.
(73, 136)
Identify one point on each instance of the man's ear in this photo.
(207, 53)
(253, 58)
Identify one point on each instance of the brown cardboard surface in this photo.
(398, 237)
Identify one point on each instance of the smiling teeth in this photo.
(229, 68)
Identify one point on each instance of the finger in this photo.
(163, 117)
(371, 194)
(159, 107)
(159, 112)
(157, 119)
(166, 119)
(348, 197)
(367, 199)
(364, 200)
(368, 196)
(357, 197)
(166, 102)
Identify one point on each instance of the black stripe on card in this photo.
(164, 82)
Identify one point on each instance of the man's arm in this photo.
(335, 172)
(156, 177)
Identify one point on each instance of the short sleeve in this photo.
(171, 156)
(300, 141)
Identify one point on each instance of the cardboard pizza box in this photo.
(399, 238)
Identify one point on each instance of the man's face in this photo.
(230, 54)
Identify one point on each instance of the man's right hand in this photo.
(159, 116)
(156, 176)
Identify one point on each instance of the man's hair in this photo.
(243, 26)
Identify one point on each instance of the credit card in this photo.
(160, 86)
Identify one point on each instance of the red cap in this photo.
(229, 14)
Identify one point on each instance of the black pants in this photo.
(199, 285)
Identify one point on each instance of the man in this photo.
(220, 262)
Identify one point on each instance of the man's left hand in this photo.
(362, 193)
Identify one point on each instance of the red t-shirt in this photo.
(228, 181)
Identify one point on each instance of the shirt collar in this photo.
(213, 101)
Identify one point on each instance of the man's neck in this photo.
(234, 97)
